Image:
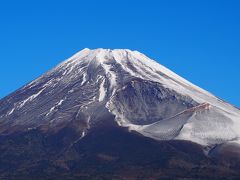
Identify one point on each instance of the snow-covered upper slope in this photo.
(142, 94)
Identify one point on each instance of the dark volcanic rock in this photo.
(108, 152)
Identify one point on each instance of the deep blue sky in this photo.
(197, 39)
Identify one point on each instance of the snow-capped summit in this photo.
(141, 94)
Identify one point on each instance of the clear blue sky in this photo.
(199, 40)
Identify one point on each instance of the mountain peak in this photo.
(102, 53)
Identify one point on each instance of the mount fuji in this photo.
(116, 114)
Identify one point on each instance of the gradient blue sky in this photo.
(197, 39)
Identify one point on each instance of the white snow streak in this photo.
(102, 91)
(54, 107)
(110, 74)
(84, 78)
(30, 98)
(9, 113)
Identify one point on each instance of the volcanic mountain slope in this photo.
(122, 90)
